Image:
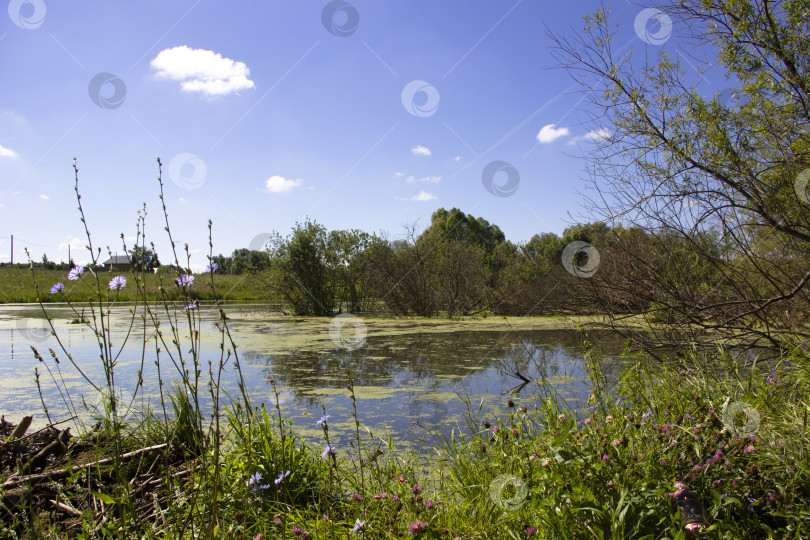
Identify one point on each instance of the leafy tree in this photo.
(143, 257)
(679, 162)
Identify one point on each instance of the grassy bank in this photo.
(601, 472)
(16, 286)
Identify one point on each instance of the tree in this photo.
(300, 270)
(717, 185)
(144, 258)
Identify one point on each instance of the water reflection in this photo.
(405, 382)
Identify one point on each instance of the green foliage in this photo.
(145, 258)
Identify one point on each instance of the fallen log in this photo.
(64, 473)
(21, 428)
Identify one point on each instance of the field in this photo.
(17, 286)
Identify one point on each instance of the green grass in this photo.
(16, 286)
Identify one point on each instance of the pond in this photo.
(411, 376)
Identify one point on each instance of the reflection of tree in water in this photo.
(559, 354)
(426, 362)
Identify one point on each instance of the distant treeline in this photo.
(459, 265)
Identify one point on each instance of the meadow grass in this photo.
(17, 286)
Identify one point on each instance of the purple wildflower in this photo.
(382, 495)
(358, 525)
(186, 280)
(192, 305)
(322, 421)
(212, 267)
(281, 477)
(530, 531)
(417, 488)
(57, 288)
(328, 450)
(430, 505)
(74, 273)
(748, 449)
(117, 283)
(418, 526)
(254, 481)
(606, 458)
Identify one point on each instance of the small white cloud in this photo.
(422, 196)
(457, 158)
(550, 133)
(420, 150)
(44, 197)
(7, 152)
(202, 71)
(601, 134)
(279, 184)
(73, 242)
(433, 179)
(182, 200)
(398, 174)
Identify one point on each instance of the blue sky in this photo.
(368, 115)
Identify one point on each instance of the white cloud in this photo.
(549, 133)
(73, 242)
(423, 196)
(279, 184)
(202, 71)
(7, 152)
(182, 199)
(457, 158)
(44, 197)
(398, 174)
(420, 150)
(433, 179)
(601, 133)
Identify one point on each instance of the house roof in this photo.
(117, 259)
